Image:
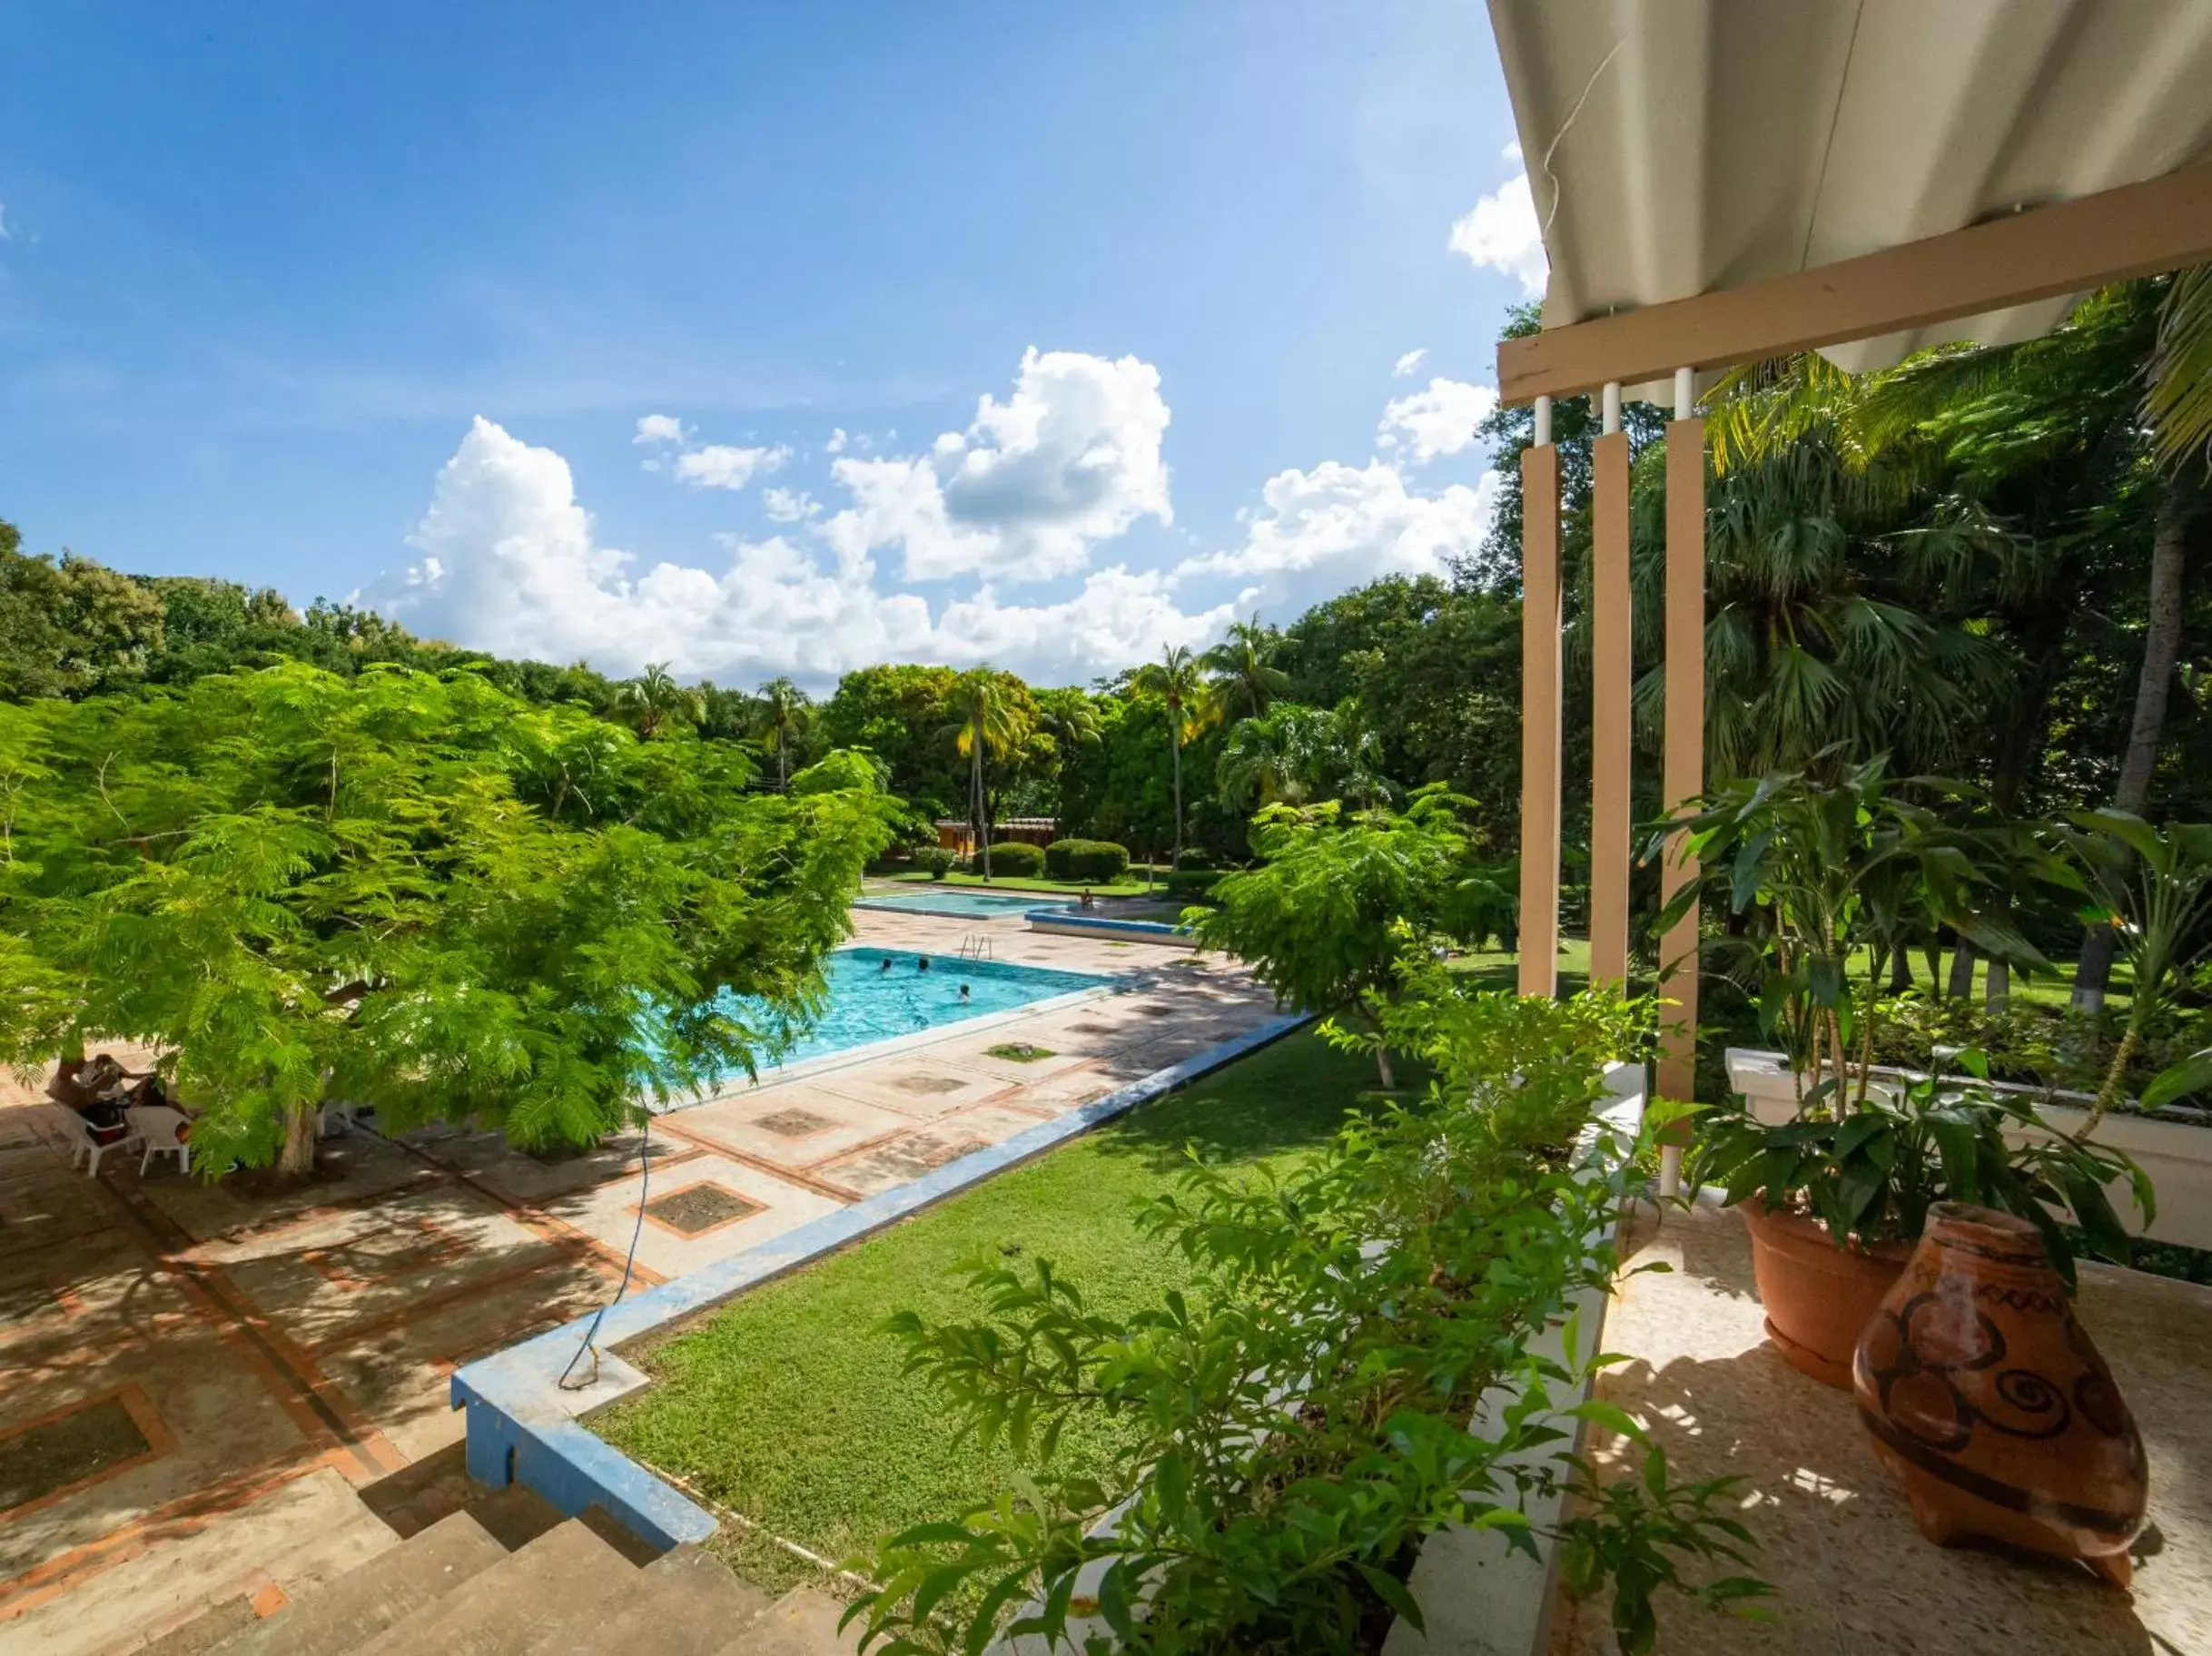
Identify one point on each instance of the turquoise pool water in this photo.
(963, 904)
(867, 1003)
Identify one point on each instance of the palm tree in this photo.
(1071, 718)
(657, 702)
(782, 711)
(1177, 680)
(1292, 754)
(989, 721)
(1246, 679)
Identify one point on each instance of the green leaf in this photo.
(1393, 1592)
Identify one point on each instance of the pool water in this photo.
(965, 904)
(867, 1003)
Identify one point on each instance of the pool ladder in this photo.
(975, 947)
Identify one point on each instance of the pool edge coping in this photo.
(522, 1427)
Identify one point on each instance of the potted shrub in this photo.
(1829, 877)
(1836, 1199)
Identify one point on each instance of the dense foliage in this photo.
(1097, 862)
(411, 891)
(1300, 1422)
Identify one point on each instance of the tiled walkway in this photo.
(199, 1377)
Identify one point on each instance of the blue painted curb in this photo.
(523, 1428)
(1074, 923)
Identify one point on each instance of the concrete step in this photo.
(557, 1582)
(803, 1622)
(687, 1602)
(360, 1604)
(205, 1632)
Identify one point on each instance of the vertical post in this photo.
(1611, 657)
(1540, 710)
(1685, 748)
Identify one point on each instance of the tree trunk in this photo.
(1900, 970)
(2161, 644)
(298, 1161)
(1175, 746)
(983, 829)
(1961, 970)
(1382, 1069)
(1998, 987)
(782, 779)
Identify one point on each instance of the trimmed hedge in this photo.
(1015, 857)
(937, 859)
(1193, 883)
(1101, 861)
(1196, 861)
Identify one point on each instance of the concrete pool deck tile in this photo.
(919, 1089)
(351, 1171)
(901, 1160)
(520, 1176)
(794, 1127)
(977, 1055)
(610, 1213)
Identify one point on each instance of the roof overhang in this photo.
(1724, 180)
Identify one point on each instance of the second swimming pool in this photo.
(868, 1003)
(961, 902)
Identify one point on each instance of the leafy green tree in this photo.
(1292, 754)
(899, 713)
(658, 703)
(71, 627)
(1068, 720)
(993, 719)
(1178, 680)
(1246, 680)
(409, 890)
(782, 715)
(1340, 901)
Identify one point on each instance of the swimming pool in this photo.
(868, 1004)
(962, 904)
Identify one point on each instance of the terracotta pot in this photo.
(1818, 1296)
(1989, 1403)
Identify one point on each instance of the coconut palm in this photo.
(1246, 680)
(1293, 754)
(1180, 682)
(782, 712)
(658, 703)
(990, 721)
(1071, 718)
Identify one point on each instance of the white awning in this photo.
(1679, 147)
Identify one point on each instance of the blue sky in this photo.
(374, 301)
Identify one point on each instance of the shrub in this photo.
(937, 859)
(1385, 1285)
(1196, 883)
(1015, 858)
(1095, 860)
(1195, 861)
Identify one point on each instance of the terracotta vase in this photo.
(1818, 1296)
(1986, 1400)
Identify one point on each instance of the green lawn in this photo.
(788, 1406)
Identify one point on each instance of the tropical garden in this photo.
(1960, 761)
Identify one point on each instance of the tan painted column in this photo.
(1611, 666)
(1686, 737)
(1540, 712)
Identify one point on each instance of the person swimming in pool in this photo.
(885, 969)
(963, 991)
(924, 965)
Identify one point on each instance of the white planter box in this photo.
(2176, 1153)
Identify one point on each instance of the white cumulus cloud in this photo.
(788, 506)
(724, 465)
(836, 441)
(1502, 235)
(653, 428)
(1442, 419)
(1071, 458)
(1405, 364)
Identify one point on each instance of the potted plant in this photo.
(1830, 877)
(1835, 1199)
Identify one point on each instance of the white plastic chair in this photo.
(90, 1144)
(158, 1126)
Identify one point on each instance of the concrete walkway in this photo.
(202, 1378)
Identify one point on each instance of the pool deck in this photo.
(205, 1381)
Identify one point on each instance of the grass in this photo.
(787, 1406)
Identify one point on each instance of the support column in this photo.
(1612, 665)
(1540, 710)
(1685, 749)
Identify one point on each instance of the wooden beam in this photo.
(1611, 664)
(2164, 223)
(1541, 717)
(1684, 765)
